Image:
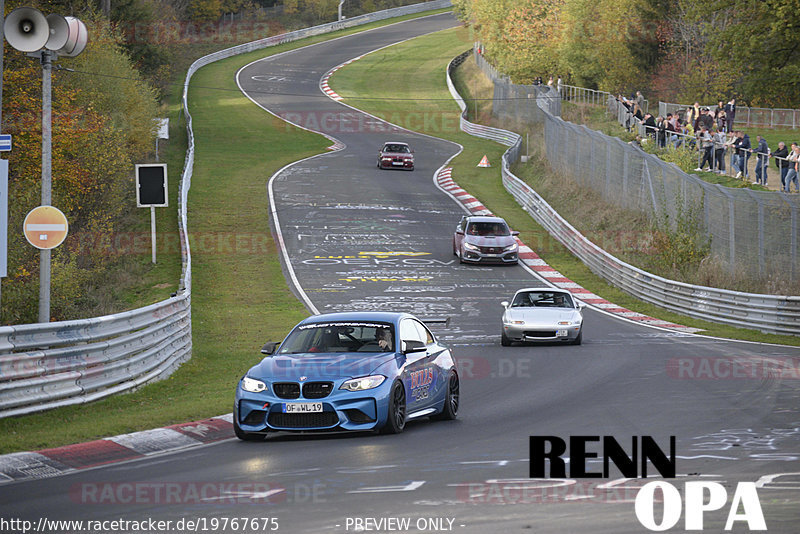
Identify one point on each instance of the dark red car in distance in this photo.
(396, 155)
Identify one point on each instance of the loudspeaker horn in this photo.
(26, 29)
(59, 32)
(77, 38)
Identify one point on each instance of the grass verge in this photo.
(373, 85)
(240, 298)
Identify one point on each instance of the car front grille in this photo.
(286, 390)
(317, 390)
(491, 250)
(303, 420)
(538, 333)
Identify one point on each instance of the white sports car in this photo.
(542, 315)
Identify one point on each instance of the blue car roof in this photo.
(384, 317)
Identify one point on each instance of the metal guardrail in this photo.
(44, 366)
(768, 313)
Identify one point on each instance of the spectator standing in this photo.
(736, 161)
(560, 87)
(649, 124)
(706, 146)
(782, 164)
(719, 150)
(745, 149)
(661, 132)
(694, 114)
(640, 99)
(794, 169)
(719, 115)
(706, 119)
(550, 82)
(762, 160)
(730, 114)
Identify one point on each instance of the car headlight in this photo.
(252, 385)
(363, 383)
(570, 323)
(512, 246)
(470, 246)
(507, 321)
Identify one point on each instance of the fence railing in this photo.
(768, 313)
(719, 151)
(747, 116)
(754, 232)
(48, 365)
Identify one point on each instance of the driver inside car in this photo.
(384, 337)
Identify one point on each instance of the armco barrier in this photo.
(44, 366)
(768, 313)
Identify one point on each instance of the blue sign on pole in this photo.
(5, 142)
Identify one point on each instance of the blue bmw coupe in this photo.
(348, 371)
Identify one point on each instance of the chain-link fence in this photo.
(746, 116)
(751, 231)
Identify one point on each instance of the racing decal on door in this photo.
(421, 382)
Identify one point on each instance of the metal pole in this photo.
(44, 255)
(340, 9)
(153, 231)
(2, 52)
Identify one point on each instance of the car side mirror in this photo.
(413, 346)
(581, 305)
(514, 233)
(504, 304)
(270, 347)
(459, 231)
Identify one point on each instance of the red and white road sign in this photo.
(45, 227)
(484, 162)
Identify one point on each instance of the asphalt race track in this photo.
(360, 238)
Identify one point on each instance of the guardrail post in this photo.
(608, 170)
(761, 258)
(793, 234)
(731, 226)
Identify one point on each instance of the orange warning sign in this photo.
(45, 227)
(484, 162)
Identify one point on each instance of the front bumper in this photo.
(341, 410)
(541, 334)
(397, 164)
(475, 256)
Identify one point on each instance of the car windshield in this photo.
(350, 336)
(397, 148)
(542, 299)
(487, 229)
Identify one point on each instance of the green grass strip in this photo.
(240, 298)
(416, 97)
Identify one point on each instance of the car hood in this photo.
(328, 366)
(542, 316)
(484, 241)
(393, 154)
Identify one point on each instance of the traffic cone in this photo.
(484, 162)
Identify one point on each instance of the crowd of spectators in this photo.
(711, 133)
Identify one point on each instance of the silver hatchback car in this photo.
(485, 240)
(542, 315)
